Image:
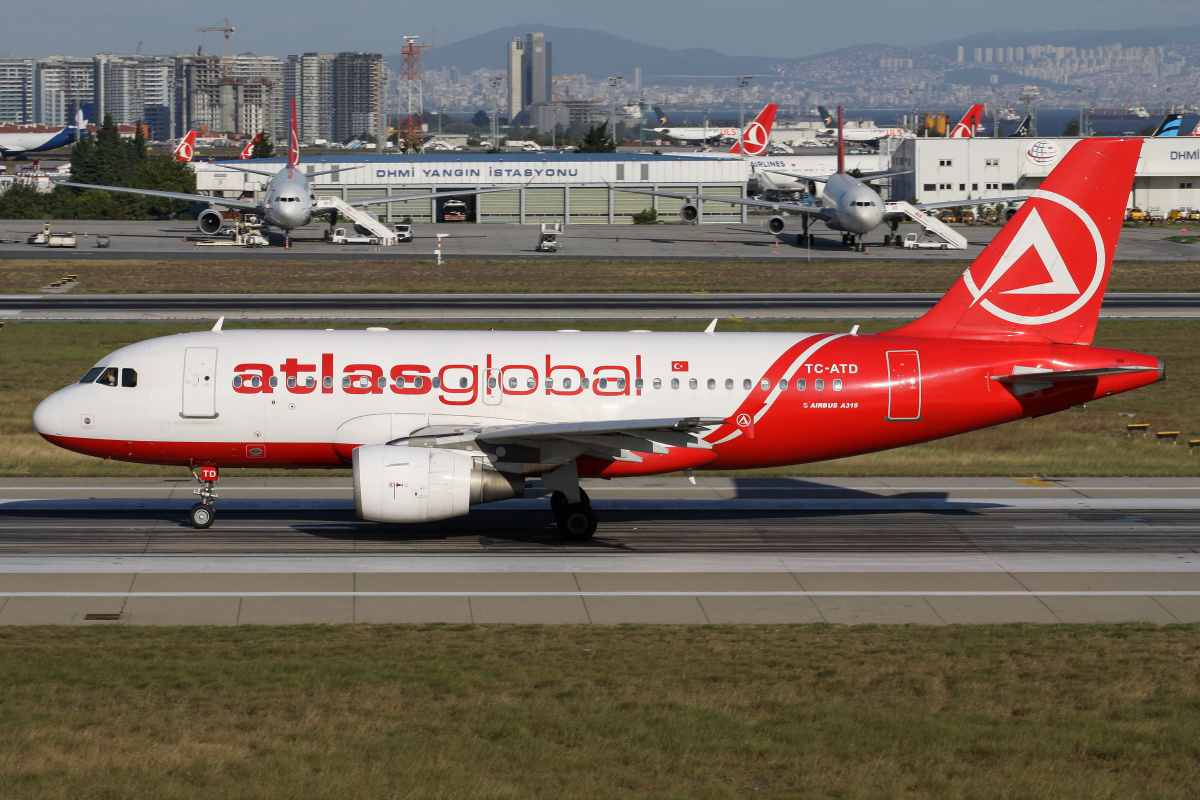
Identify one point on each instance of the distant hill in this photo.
(592, 53)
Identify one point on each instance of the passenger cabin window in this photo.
(746, 384)
(674, 383)
(658, 383)
(693, 383)
(819, 384)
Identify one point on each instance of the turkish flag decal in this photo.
(679, 366)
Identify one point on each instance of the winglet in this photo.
(220, 324)
(712, 327)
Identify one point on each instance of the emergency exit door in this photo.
(904, 385)
(200, 382)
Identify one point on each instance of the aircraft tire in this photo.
(202, 515)
(577, 522)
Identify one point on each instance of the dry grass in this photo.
(38, 358)
(595, 712)
(416, 275)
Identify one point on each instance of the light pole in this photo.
(613, 83)
(495, 81)
(742, 81)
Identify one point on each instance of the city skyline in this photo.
(776, 28)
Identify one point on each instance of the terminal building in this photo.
(573, 188)
(974, 170)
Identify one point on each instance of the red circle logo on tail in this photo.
(755, 140)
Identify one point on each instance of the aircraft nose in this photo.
(48, 416)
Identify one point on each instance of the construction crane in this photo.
(226, 29)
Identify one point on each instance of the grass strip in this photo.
(36, 359)
(812, 711)
(515, 275)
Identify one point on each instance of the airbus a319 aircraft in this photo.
(433, 422)
(288, 202)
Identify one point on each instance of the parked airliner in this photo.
(432, 422)
(185, 151)
(18, 144)
(288, 202)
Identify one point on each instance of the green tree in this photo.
(264, 147)
(481, 119)
(598, 140)
(1071, 128)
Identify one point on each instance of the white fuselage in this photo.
(853, 206)
(289, 201)
(699, 134)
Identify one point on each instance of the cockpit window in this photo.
(108, 377)
(91, 375)
(128, 377)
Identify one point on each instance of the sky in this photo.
(776, 28)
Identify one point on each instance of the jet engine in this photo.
(777, 224)
(210, 221)
(397, 483)
(364, 231)
(689, 213)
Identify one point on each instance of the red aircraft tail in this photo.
(841, 144)
(186, 148)
(1042, 278)
(757, 134)
(969, 124)
(249, 148)
(293, 158)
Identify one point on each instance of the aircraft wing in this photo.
(558, 442)
(988, 201)
(240, 168)
(241, 205)
(400, 198)
(866, 176)
(796, 208)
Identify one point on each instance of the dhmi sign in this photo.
(1185, 155)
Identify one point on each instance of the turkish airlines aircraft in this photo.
(249, 148)
(288, 203)
(433, 422)
(18, 144)
(756, 138)
(186, 149)
(968, 126)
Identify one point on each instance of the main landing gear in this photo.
(576, 521)
(202, 514)
(570, 504)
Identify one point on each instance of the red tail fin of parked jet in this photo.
(1043, 276)
(969, 124)
(186, 148)
(841, 144)
(293, 157)
(249, 148)
(757, 134)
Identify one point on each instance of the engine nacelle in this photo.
(210, 221)
(366, 231)
(397, 483)
(777, 224)
(689, 213)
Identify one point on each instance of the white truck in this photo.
(403, 232)
(914, 242)
(341, 237)
(61, 240)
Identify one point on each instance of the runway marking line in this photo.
(782, 593)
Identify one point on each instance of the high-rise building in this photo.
(264, 77)
(62, 84)
(536, 75)
(308, 79)
(16, 91)
(198, 87)
(358, 88)
(136, 89)
(516, 58)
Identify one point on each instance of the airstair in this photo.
(361, 219)
(930, 223)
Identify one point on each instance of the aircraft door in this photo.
(493, 388)
(904, 385)
(200, 382)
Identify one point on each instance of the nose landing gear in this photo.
(202, 514)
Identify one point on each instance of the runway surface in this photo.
(390, 307)
(929, 551)
(750, 240)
